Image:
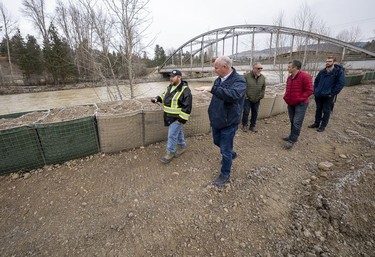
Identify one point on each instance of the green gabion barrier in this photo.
(352, 80)
(13, 115)
(63, 141)
(19, 150)
(368, 75)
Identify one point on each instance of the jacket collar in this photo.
(179, 87)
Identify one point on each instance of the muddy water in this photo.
(57, 99)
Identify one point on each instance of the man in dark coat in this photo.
(228, 94)
(327, 85)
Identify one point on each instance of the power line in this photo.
(355, 21)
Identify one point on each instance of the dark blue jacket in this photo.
(227, 101)
(329, 83)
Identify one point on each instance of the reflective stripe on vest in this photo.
(163, 95)
(174, 109)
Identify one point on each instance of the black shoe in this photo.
(313, 126)
(289, 145)
(321, 129)
(286, 138)
(221, 181)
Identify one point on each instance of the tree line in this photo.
(82, 40)
(57, 61)
(90, 40)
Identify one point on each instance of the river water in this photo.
(63, 98)
(83, 96)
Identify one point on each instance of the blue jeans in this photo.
(296, 116)
(323, 110)
(224, 138)
(254, 107)
(175, 136)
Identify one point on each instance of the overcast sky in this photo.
(177, 21)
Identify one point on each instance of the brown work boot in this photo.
(180, 151)
(167, 158)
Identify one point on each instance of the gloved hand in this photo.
(154, 100)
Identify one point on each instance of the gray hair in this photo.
(224, 60)
(255, 64)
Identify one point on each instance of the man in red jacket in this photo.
(299, 87)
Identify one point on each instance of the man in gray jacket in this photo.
(255, 90)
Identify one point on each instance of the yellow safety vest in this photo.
(174, 109)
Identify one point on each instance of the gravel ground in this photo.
(316, 199)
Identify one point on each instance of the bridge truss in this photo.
(283, 42)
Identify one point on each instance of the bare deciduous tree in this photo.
(8, 27)
(350, 36)
(89, 30)
(131, 18)
(280, 42)
(307, 20)
(94, 34)
(102, 25)
(76, 26)
(35, 10)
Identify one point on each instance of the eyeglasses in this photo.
(259, 68)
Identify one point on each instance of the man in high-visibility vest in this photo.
(177, 103)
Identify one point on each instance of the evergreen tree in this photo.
(58, 58)
(159, 56)
(17, 48)
(370, 46)
(3, 47)
(32, 62)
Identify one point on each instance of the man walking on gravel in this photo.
(177, 103)
(228, 94)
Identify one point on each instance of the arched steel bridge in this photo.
(197, 53)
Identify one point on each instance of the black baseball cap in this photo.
(175, 73)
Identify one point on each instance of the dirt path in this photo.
(278, 204)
